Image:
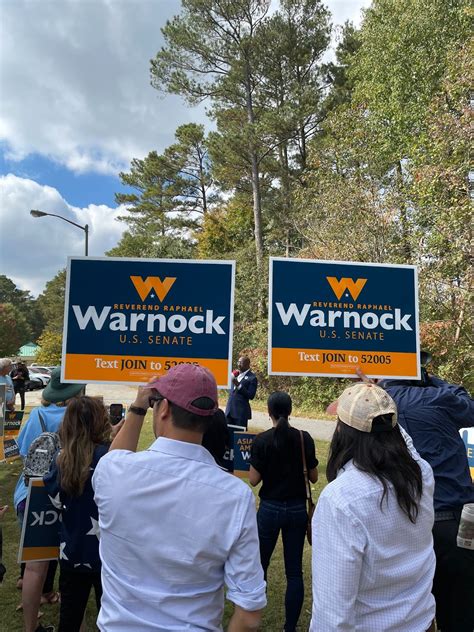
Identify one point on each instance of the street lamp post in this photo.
(36, 213)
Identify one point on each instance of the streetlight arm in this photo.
(67, 220)
(37, 213)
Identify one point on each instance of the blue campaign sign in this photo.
(467, 435)
(127, 320)
(12, 426)
(328, 317)
(2, 419)
(40, 530)
(242, 451)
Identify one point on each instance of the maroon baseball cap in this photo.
(186, 383)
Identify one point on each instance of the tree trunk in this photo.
(255, 177)
(406, 247)
(202, 184)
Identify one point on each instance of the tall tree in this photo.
(337, 72)
(400, 64)
(22, 300)
(289, 96)
(173, 190)
(51, 302)
(150, 208)
(14, 329)
(210, 53)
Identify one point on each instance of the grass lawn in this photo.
(11, 621)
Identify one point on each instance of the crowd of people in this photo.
(177, 530)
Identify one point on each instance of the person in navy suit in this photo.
(244, 387)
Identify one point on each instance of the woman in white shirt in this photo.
(373, 560)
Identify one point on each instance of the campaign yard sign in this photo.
(12, 427)
(127, 320)
(467, 435)
(328, 317)
(3, 395)
(242, 451)
(40, 530)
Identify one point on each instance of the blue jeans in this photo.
(291, 518)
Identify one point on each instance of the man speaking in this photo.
(244, 387)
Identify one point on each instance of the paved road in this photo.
(318, 428)
(117, 393)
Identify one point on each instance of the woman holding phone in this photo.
(84, 435)
(277, 462)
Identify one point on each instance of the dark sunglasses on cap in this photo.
(155, 399)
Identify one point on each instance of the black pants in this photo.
(453, 585)
(291, 518)
(75, 588)
(21, 391)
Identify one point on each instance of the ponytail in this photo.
(279, 408)
(280, 434)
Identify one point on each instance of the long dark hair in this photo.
(380, 454)
(279, 407)
(85, 424)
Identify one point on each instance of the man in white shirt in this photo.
(373, 559)
(174, 527)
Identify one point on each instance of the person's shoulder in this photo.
(263, 437)
(350, 486)
(307, 436)
(234, 486)
(116, 457)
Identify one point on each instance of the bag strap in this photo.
(43, 425)
(305, 471)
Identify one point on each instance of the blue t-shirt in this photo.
(10, 391)
(79, 526)
(52, 417)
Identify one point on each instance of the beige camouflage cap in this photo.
(360, 403)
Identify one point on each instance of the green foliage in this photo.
(14, 329)
(51, 302)
(337, 73)
(170, 188)
(400, 64)
(151, 246)
(50, 352)
(10, 293)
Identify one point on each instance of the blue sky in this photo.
(76, 106)
(80, 189)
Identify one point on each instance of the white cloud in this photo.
(34, 250)
(75, 81)
(343, 10)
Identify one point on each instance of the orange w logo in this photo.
(340, 286)
(145, 286)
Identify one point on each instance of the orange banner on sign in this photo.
(324, 362)
(115, 368)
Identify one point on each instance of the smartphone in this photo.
(116, 413)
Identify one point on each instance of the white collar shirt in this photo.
(241, 376)
(174, 529)
(372, 568)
